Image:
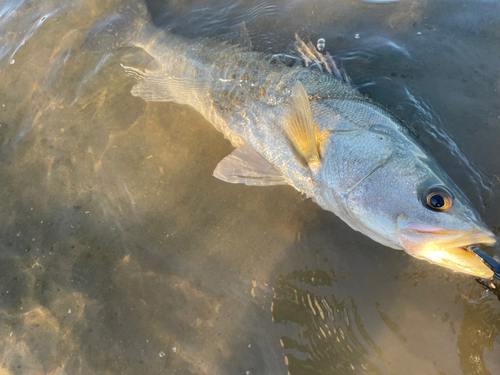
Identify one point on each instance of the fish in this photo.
(298, 120)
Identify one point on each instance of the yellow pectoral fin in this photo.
(302, 132)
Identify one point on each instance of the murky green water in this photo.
(121, 254)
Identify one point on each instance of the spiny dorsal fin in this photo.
(312, 58)
(300, 127)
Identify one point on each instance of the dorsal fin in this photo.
(300, 127)
(311, 57)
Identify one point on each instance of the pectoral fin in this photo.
(246, 166)
(300, 128)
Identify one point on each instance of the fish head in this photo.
(386, 185)
(440, 227)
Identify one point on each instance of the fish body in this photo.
(311, 129)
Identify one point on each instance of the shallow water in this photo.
(121, 254)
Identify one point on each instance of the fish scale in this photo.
(304, 124)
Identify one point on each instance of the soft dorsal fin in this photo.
(245, 166)
(300, 127)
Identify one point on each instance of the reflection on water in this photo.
(332, 337)
(479, 331)
(121, 254)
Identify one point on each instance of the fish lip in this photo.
(424, 228)
(454, 238)
(447, 247)
(479, 231)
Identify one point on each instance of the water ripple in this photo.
(18, 33)
(264, 9)
(219, 19)
(434, 126)
(331, 335)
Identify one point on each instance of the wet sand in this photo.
(121, 254)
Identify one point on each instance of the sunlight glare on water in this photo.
(120, 253)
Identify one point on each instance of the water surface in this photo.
(121, 254)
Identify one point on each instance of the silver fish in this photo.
(297, 120)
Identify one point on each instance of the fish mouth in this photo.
(448, 247)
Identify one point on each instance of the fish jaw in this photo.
(447, 247)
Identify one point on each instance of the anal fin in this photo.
(245, 166)
(156, 87)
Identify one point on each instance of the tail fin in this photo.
(118, 30)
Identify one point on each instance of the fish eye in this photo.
(437, 198)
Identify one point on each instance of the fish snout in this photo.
(446, 247)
